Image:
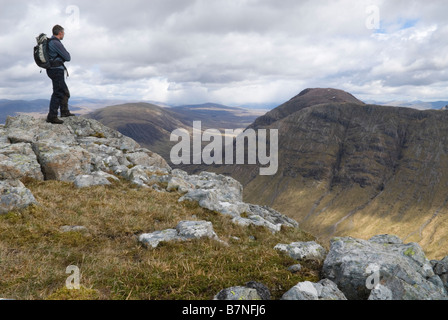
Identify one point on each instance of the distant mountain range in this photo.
(14, 107)
(420, 105)
(83, 106)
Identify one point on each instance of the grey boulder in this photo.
(323, 290)
(97, 178)
(185, 230)
(14, 195)
(382, 268)
(18, 161)
(441, 269)
(303, 250)
(251, 291)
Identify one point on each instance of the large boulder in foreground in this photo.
(382, 268)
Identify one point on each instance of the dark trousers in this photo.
(60, 95)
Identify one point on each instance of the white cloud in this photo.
(229, 51)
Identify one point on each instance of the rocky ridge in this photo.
(87, 153)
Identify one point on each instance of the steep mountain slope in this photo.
(151, 125)
(346, 168)
(148, 124)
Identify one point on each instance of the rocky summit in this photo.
(86, 153)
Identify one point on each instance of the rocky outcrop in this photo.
(78, 147)
(87, 153)
(382, 268)
(80, 151)
(225, 195)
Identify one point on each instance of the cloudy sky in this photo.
(233, 52)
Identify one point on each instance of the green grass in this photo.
(34, 253)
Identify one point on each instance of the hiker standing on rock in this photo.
(58, 55)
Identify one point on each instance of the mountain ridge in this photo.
(351, 169)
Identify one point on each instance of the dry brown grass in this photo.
(34, 252)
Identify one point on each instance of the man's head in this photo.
(58, 32)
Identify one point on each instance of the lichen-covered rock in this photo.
(18, 161)
(146, 176)
(153, 239)
(97, 178)
(441, 269)
(394, 270)
(323, 290)
(223, 194)
(272, 216)
(217, 193)
(14, 195)
(251, 291)
(303, 250)
(185, 230)
(62, 162)
(257, 221)
(221, 200)
(4, 141)
(147, 158)
(103, 157)
(178, 184)
(196, 230)
(80, 145)
(386, 239)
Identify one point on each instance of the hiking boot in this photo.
(55, 120)
(67, 114)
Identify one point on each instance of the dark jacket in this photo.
(58, 52)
